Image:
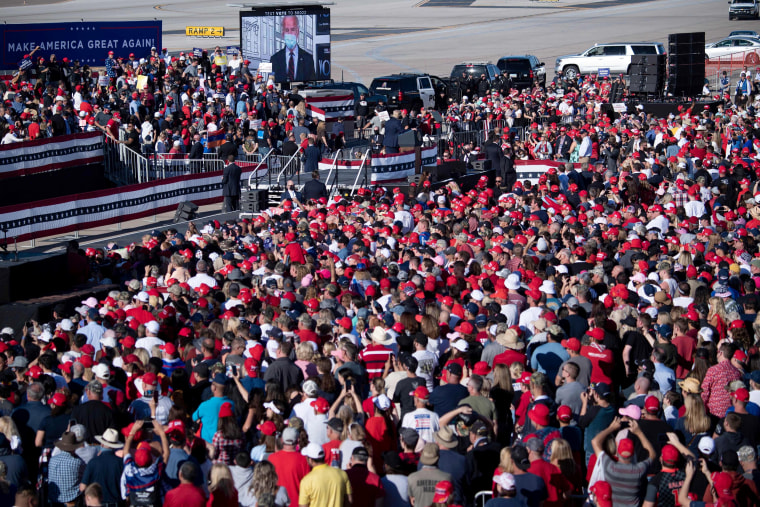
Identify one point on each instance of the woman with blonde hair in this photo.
(264, 482)
(562, 458)
(9, 429)
(222, 492)
(717, 316)
(304, 356)
(695, 422)
(356, 436)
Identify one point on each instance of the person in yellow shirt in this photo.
(324, 486)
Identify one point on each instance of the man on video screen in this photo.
(292, 63)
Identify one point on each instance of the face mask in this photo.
(290, 40)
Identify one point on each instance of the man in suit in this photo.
(231, 184)
(292, 63)
(314, 189)
(228, 148)
(494, 153)
(311, 157)
(393, 129)
(196, 154)
(291, 194)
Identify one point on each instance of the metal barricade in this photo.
(733, 64)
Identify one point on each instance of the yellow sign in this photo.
(204, 31)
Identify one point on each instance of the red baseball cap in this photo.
(625, 448)
(572, 344)
(670, 454)
(143, 455)
(652, 404)
(539, 414)
(58, 399)
(481, 368)
(321, 405)
(422, 393)
(169, 348)
(603, 493)
(564, 413)
(740, 394)
(176, 426)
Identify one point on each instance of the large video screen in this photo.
(295, 40)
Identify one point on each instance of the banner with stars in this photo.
(50, 154)
(78, 212)
(86, 41)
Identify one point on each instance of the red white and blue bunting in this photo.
(50, 154)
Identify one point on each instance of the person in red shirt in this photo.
(686, 346)
(367, 489)
(293, 252)
(376, 354)
(332, 447)
(602, 361)
(557, 486)
(291, 465)
(187, 494)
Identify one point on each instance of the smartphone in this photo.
(234, 369)
(349, 384)
(155, 396)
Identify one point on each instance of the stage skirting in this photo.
(50, 154)
(93, 209)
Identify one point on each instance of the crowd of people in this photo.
(587, 339)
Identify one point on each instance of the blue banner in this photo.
(88, 42)
(604, 72)
(233, 50)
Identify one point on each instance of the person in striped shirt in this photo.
(376, 354)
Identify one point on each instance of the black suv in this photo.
(357, 88)
(523, 70)
(405, 91)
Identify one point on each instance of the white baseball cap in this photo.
(313, 451)
(101, 371)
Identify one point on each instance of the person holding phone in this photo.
(151, 405)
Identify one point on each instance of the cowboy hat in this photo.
(509, 339)
(445, 437)
(380, 336)
(109, 439)
(68, 442)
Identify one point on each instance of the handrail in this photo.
(333, 166)
(361, 167)
(256, 169)
(288, 163)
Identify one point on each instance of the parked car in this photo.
(731, 45)
(743, 9)
(405, 91)
(750, 33)
(475, 69)
(615, 56)
(357, 88)
(523, 70)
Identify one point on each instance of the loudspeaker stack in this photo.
(647, 74)
(686, 64)
(254, 201)
(185, 211)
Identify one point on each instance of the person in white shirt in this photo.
(694, 207)
(585, 149)
(11, 137)
(426, 360)
(201, 268)
(657, 219)
(423, 421)
(151, 338)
